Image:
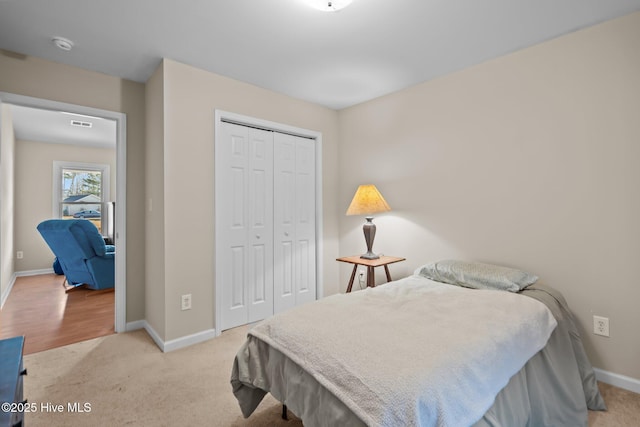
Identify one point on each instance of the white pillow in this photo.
(477, 275)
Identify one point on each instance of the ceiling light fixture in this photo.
(62, 43)
(328, 5)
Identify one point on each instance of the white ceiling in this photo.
(369, 49)
(34, 124)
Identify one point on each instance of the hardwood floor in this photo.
(39, 309)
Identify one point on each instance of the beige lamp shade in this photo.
(367, 201)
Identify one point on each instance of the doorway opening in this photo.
(76, 113)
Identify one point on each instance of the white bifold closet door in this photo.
(294, 221)
(266, 208)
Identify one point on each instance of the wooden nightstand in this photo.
(383, 261)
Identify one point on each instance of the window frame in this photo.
(59, 166)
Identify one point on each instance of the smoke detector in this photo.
(62, 43)
(328, 5)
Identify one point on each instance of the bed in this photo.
(455, 344)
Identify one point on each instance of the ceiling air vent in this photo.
(81, 124)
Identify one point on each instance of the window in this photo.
(80, 190)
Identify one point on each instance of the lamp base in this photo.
(369, 229)
(369, 255)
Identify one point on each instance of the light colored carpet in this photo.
(127, 380)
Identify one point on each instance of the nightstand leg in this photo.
(371, 278)
(386, 270)
(353, 275)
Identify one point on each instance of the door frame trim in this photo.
(229, 117)
(121, 188)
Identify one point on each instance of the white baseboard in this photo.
(172, 344)
(6, 292)
(135, 325)
(34, 272)
(622, 381)
(188, 340)
(154, 335)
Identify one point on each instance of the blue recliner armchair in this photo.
(81, 252)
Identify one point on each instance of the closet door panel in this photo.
(233, 217)
(260, 213)
(237, 278)
(305, 221)
(284, 194)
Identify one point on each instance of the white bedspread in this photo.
(411, 351)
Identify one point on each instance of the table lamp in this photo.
(368, 201)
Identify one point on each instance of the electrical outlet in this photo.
(601, 326)
(186, 302)
(19, 254)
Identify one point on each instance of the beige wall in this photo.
(7, 191)
(29, 76)
(190, 98)
(34, 185)
(529, 160)
(154, 213)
